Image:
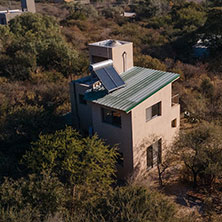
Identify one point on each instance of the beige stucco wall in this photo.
(114, 53)
(100, 51)
(115, 135)
(10, 16)
(117, 57)
(143, 132)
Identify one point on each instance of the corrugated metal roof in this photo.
(141, 83)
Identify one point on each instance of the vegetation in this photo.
(48, 171)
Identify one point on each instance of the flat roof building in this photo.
(7, 15)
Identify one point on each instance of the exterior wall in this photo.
(117, 57)
(81, 113)
(115, 135)
(99, 51)
(28, 5)
(10, 16)
(158, 127)
(6, 17)
(114, 53)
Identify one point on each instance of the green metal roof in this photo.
(141, 83)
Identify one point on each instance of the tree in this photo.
(74, 159)
(135, 204)
(201, 151)
(33, 199)
(211, 32)
(36, 41)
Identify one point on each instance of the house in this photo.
(7, 15)
(126, 105)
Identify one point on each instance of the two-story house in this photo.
(126, 105)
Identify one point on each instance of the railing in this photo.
(175, 100)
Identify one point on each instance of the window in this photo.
(111, 117)
(154, 154)
(153, 111)
(82, 100)
(174, 123)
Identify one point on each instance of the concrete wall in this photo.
(115, 53)
(115, 135)
(99, 51)
(145, 133)
(28, 5)
(81, 113)
(10, 16)
(117, 57)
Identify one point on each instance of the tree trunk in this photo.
(160, 176)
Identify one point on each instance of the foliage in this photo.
(80, 11)
(200, 150)
(212, 30)
(36, 42)
(32, 199)
(149, 62)
(80, 161)
(136, 204)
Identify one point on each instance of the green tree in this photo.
(134, 204)
(36, 41)
(201, 151)
(77, 160)
(33, 199)
(149, 62)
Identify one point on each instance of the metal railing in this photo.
(175, 100)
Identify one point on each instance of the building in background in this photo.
(133, 107)
(7, 15)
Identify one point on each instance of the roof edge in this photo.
(174, 79)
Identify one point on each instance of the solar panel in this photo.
(109, 77)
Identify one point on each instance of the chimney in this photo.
(28, 6)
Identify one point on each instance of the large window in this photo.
(153, 111)
(154, 154)
(111, 117)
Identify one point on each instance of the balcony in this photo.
(175, 100)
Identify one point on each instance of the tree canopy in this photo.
(78, 160)
(35, 42)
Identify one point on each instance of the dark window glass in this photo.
(159, 159)
(154, 154)
(156, 109)
(174, 123)
(150, 157)
(153, 111)
(112, 117)
(82, 100)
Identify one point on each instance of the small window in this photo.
(153, 111)
(174, 123)
(111, 117)
(154, 154)
(82, 100)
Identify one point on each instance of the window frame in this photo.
(174, 123)
(113, 119)
(156, 155)
(154, 111)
